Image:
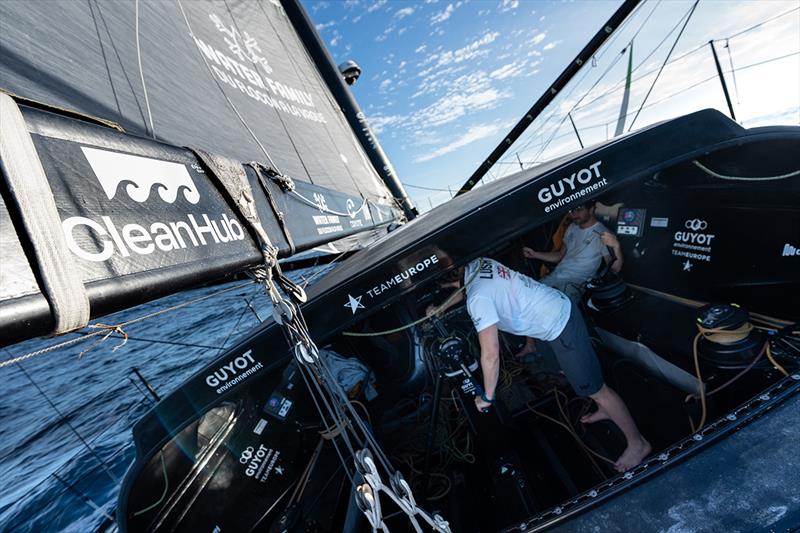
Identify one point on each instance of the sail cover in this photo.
(140, 214)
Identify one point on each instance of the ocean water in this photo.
(66, 419)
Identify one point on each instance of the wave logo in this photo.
(696, 224)
(140, 175)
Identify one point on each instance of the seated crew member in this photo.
(499, 298)
(579, 257)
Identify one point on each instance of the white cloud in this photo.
(475, 133)
(508, 5)
(511, 70)
(384, 86)
(441, 16)
(538, 38)
(349, 4)
(378, 123)
(377, 5)
(551, 45)
(403, 13)
(385, 35)
(322, 26)
(421, 48)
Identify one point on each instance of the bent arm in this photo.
(490, 359)
(610, 240)
(547, 257)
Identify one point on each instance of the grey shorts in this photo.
(576, 356)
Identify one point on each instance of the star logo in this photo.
(354, 303)
(279, 470)
(687, 266)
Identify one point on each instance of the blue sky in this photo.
(444, 80)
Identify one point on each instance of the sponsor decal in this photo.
(790, 251)
(140, 174)
(354, 303)
(659, 222)
(687, 265)
(233, 372)
(259, 462)
(144, 180)
(693, 241)
(574, 187)
(244, 67)
(468, 387)
(260, 426)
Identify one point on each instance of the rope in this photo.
(115, 328)
(163, 495)
(774, 362)
(141, 72)
(710, 172)
(666, 59)
(111, 330)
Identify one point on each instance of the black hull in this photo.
(652, 172)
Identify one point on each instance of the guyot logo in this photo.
(230, 370)
(693, 237)
(253, 458)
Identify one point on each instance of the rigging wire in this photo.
(141, 72)
(67, 423)
(84, 337)
(611, 120)
(607, 46)
(702, 46)
(733, 70)
(677, 39)
(751, 28)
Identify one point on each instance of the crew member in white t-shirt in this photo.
(500, 299)
(585, 246)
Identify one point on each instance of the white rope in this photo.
(141, 74)
(744, 178)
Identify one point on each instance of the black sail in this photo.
(140, 213)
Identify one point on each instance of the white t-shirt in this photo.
(514, 302)
(585, 251)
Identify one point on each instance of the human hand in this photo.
(482, 406)
(529, 253)
(609, 239)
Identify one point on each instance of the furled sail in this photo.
(141, 214)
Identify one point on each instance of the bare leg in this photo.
(530, 347)
(610, 406)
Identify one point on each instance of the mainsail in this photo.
(141, 214)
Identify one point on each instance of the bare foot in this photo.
(530, 347)
(597, 416)
(633, 455)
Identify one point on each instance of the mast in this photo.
(350, 108)
(588, 51)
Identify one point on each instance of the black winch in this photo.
(728, 339)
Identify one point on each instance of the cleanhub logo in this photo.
(144, 181)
